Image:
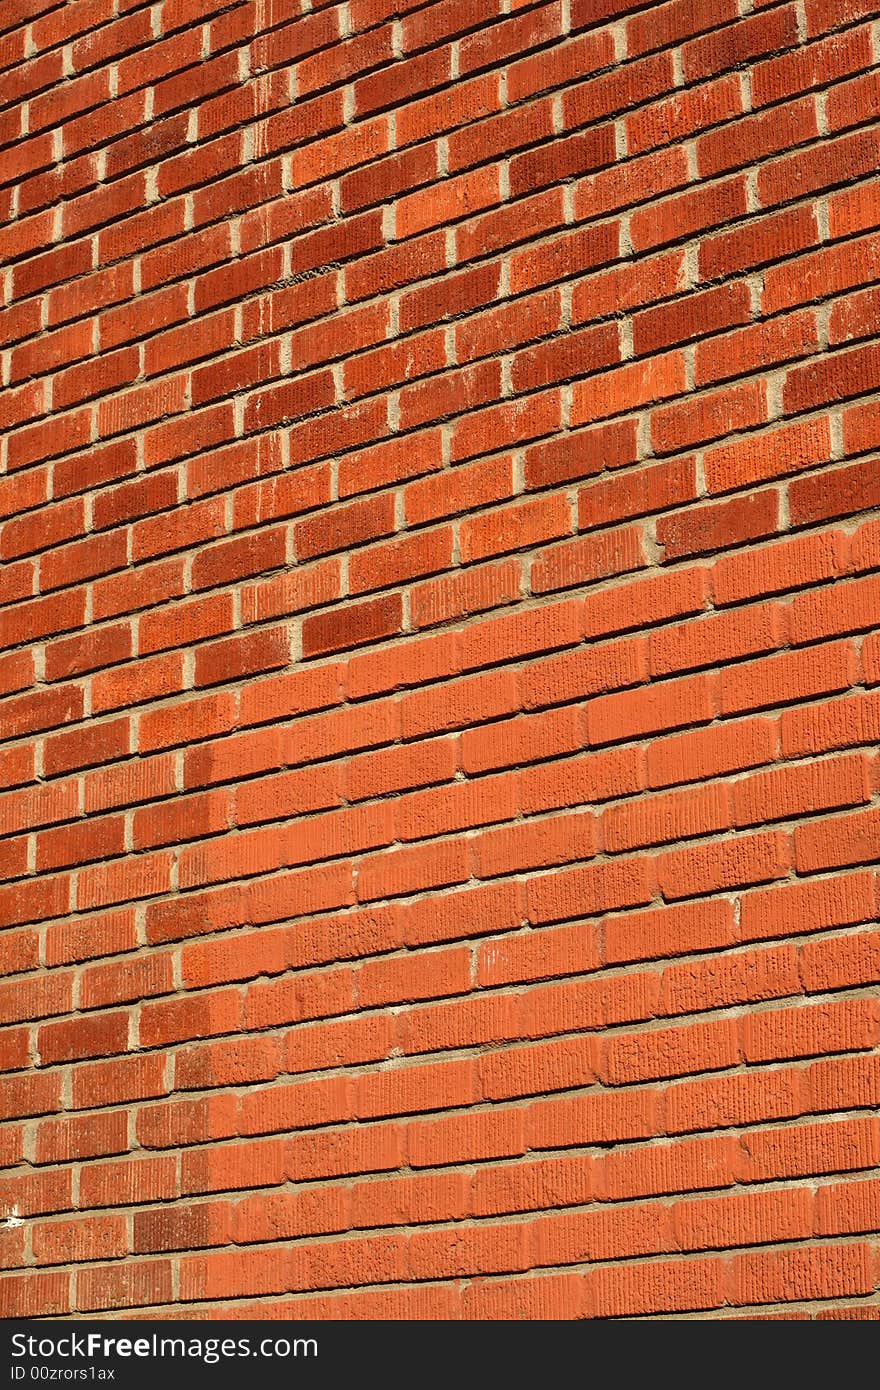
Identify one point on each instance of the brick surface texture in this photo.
(440, 659)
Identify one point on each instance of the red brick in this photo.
(837, 962)
(690, 317)
(852, 210)
(746, 859)
(615, 718)
(673, 816)
(700, 530)
(690, 212)
(780, 1275)
(451, 298)
(584, 892)
(640, 180)
(580, 454)
(675, 930)
(761, 134)
(483, 587)
(596, 557)
(758, 242)
(811, 1030)
(718, 637)
(99, 1035)
(749, 1218)
(821, 846)
(98, 743)
(645, 601)
(812, 170)
(793, 791)
(670, 1052)
(87, 1238)
(806, 907)
(441, 495)
(633, 286)
(355, 626)
(681, 115)
(514, 527)
(29, 1295)
(786, 564)
(564, 256)
(709, 417)
(628, 388)
(789, 676)
(758, 458)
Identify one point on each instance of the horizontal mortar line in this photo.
(724, 1257)
(632, 799)
(290, 725)
(726, 835)
(354, 214)
(559, 335)
(515, 987)
(767, 426)
(691, 397)
(664, 1018)
(685, 839)
(639, 1027)
(548, 236)
(477, 1052)
(497, 935)
(472, 1167)
(321, 1240)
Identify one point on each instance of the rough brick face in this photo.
(440, 659)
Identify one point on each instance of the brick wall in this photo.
(441, 669)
